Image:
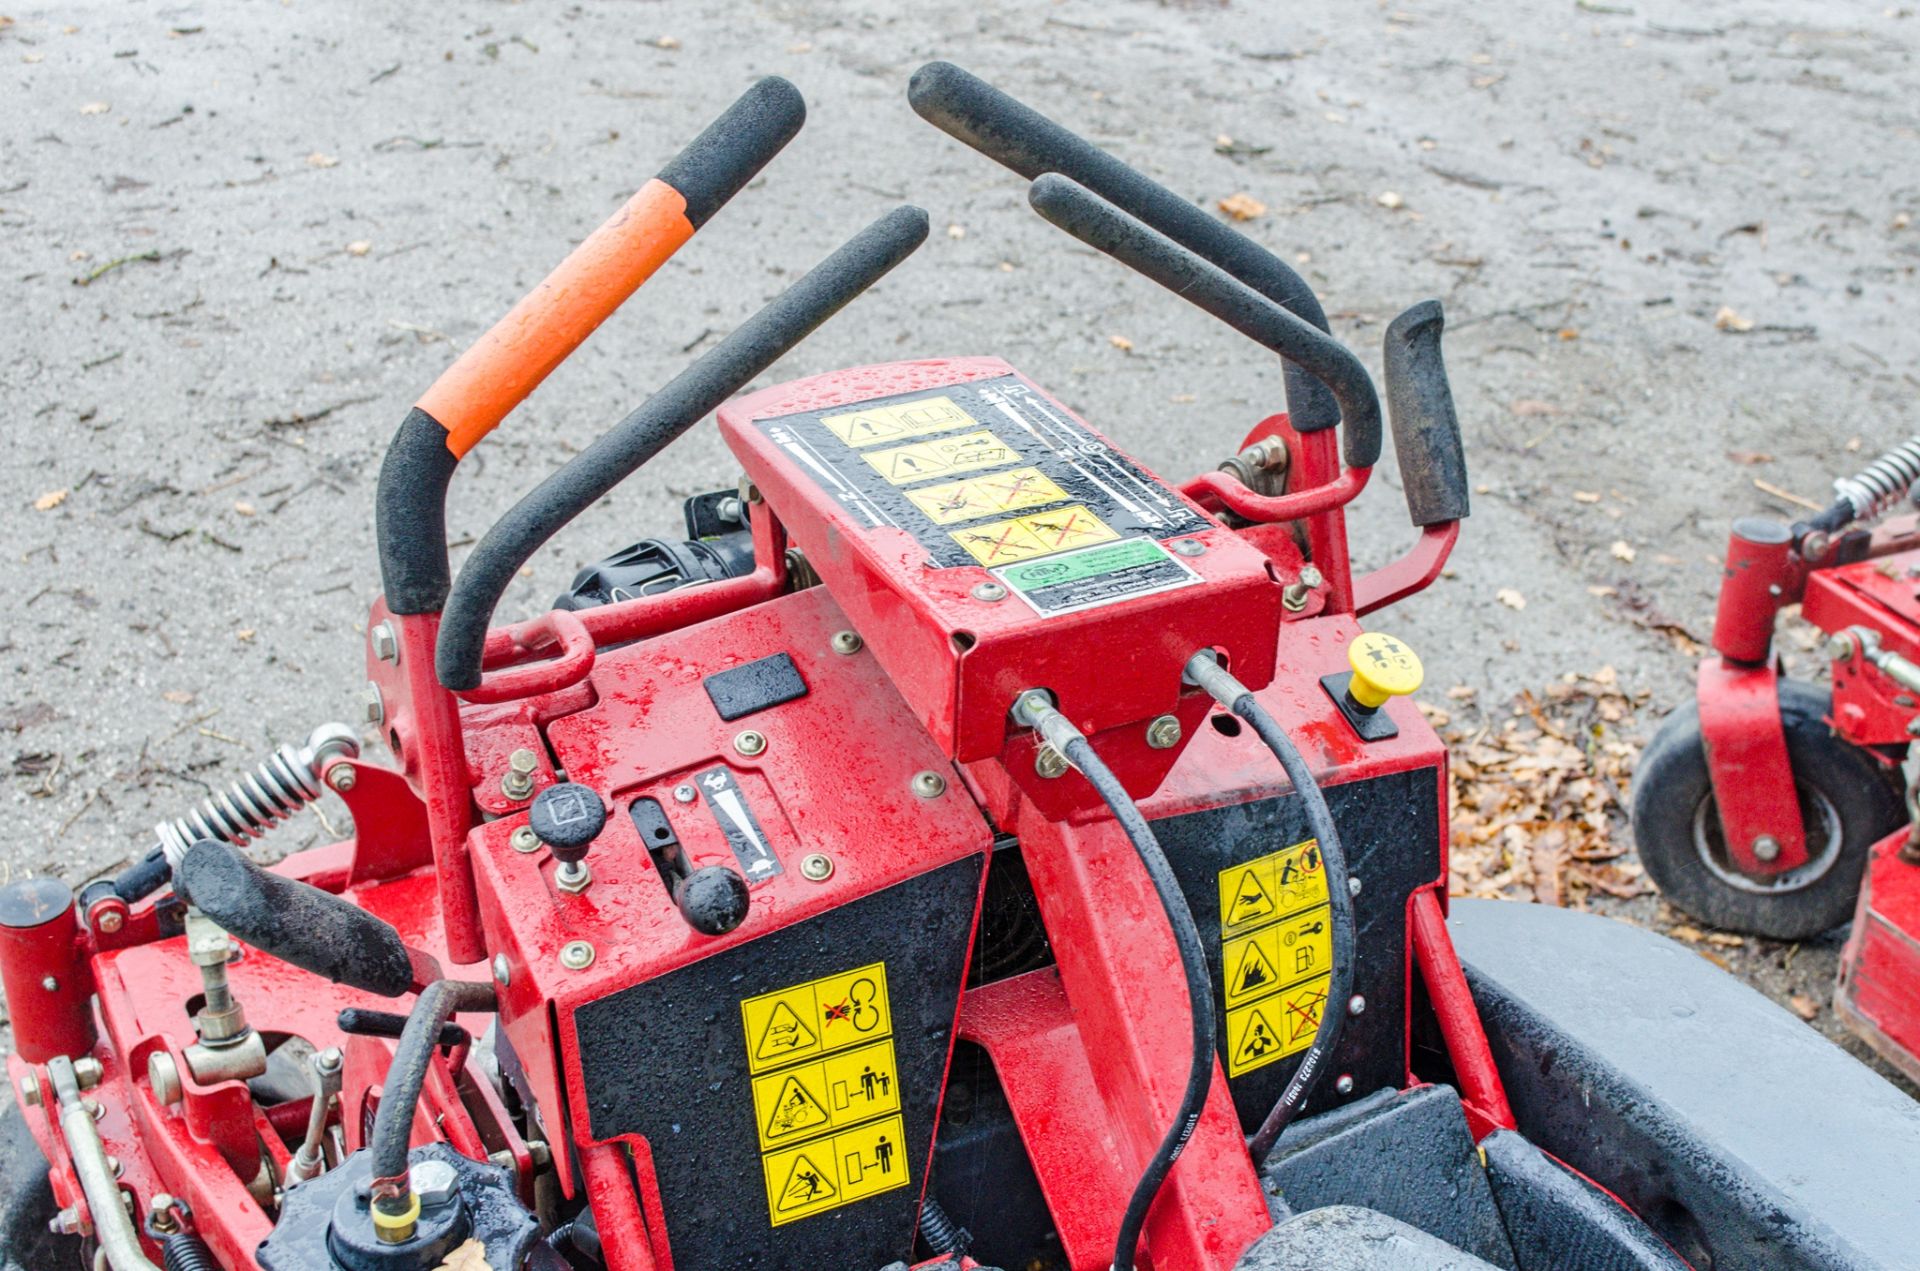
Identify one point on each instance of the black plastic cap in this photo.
(720, 161)
(34, 902)
(713, 900)
(567, 817)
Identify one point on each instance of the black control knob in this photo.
(567, 817)
(713, 900)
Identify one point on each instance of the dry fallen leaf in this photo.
(471, 1256)
(1569, 333)
(1902, 220)
(666, 42)
(1586, 496)
(1242, 206)
(319, 160)
(1749, 458)
(95, 108)
(244, 634)
(179, 697)
(359, 247)
(956, 231)
(1622, 550)
(1692, 935)
(1391, 201)
(1121, 342)
(1803, 1006)
(50, 500)
(1510, 598)
(1527, 407)
(244, 508)
(1728, 320)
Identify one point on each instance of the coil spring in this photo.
(186, 1252)
(282, 784)
(942, 1234)
(1883, 483)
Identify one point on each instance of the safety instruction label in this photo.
(919, 418)
(1276, 954)
(993, 472)
(943, 456)
(995, 495)
(825, 1070)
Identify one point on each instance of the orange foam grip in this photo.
(509, 361)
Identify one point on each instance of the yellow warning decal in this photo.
(817, 1018)
(1274, 1027)
(1024, 537)
(840, 1090)
(1282, 953)
(1272, 887)
(995, 494)
(899, 422)
(828, 1173)
(944, 457)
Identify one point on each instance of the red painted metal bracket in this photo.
(1881, 962)
(1413, 572)
(1752, 778)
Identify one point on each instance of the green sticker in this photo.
(1102, 575)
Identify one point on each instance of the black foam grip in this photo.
(721, 160)
(410, 515)
(1018, 137)
(691, 395)
(295, 921)
(1426, 430)
(1101, 225)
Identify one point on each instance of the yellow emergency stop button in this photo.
(1383, 667)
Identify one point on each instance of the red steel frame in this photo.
(1091, 1052)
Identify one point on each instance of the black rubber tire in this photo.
(26, 1204)
(1671, 784)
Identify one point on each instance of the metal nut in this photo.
(436, 1183)
(1164, 733)
(989, 592)
(816, 867)
(847, 643)
(523, 839)
(1839, 648)
(572, 877)
(1353, 884)
(1344, 1084)
(87, 1072)
(576, 955)
(342, 776)
(374, 707)
(517, 784)
(929, 784)
(750, 743)
(1049, 762)
(1356, 1005)
(110, 920)
(386, 645)
(1766, 848)
(164, 1076)
(1189, 547)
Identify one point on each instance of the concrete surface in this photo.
(337, 198)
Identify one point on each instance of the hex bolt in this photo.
(1840, 648)
(685, 793)
(1766, 848)
(524, 839)
(518, 783)
(750, 743)
(374, 707)
(929, 784)
(1294, 598)
(1344, 1085)
(989, 592)
(113, 918)
(502, 971)
(1353, 884)
(1356, 1005)
(342, 776)
(576, 955)
(1164, 733)
(1048, 762)
(1190, 547)
(386, 645)
(30, 1090)
(436, 1183)
(160, 1214)
(816, 867)
(87, 1072)
(164, 1076)
(848, 643)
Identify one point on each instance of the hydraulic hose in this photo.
(406, 1075)
(1034, 709)
(1205, 670)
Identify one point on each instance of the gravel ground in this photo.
(240, 239)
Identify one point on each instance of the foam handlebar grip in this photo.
(295, 921)
(507, 363)
(1426, 429)
(1104, 227)
(684, 401)
(1020, 138)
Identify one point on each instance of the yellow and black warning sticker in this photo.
(828, 1173)
(902, 421)
(941, 457)
(993, 495)
(1040, 534)
(826, 1092)
(1276, 946)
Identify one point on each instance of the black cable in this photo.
(1333, 861)
(1193, 962)
(400, 1092)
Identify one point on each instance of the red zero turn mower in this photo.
(967, 849)
(1778, 808)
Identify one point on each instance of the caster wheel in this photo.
(1848, 802)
